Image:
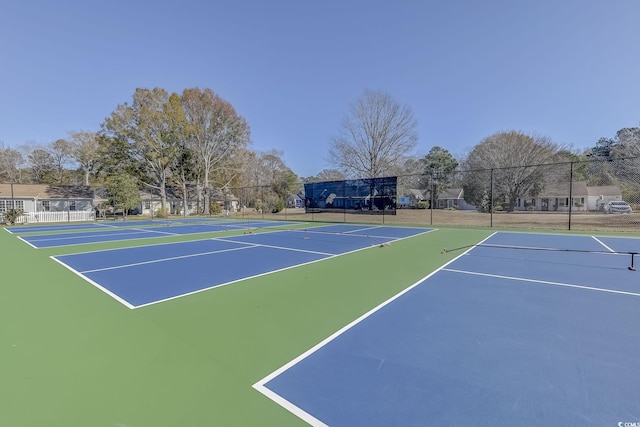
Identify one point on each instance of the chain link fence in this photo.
(585, 195)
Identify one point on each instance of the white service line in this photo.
(81, 237)
(165, 259)
(284, 248)
(544, 282)
(602, 243)
(154, 231)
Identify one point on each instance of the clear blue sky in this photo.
(568, 69)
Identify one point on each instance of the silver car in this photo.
(617, 206)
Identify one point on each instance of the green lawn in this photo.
(73, 356)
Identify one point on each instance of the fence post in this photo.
(491, 201)
(570, 193)
(431, 198)
(344, 207)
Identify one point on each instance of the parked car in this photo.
(617, 206)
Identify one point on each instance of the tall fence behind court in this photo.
(562, 196)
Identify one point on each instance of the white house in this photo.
(295, 201)
(598, 196)
(414, 196)
(453, 198)
(555, 197)
(48, 203)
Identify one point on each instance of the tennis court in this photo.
(150, 274)
(44, 238)
(339, 325)
(25, 229)
(522, 329)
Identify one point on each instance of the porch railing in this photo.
(67, 216)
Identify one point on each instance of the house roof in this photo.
(578, 188)
(43, 191)
(418, 194)
(604, 190)
(452, 193)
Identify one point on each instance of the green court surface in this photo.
(73, 356)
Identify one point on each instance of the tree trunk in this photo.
(206, 192)
(184, 198)
(163, 196)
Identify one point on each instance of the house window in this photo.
(72, 205)
(147, 204)
(46, 205)
(5, 205)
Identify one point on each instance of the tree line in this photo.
(191, 142)
(511, 165)
(196, 142)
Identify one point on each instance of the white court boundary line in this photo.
(97, 285)
(122, 232)
(135, 235)
(197, 291)
(273, 271)
(28, 243)
(226, 239)
(135, 264)
(51, 237)
(244, 245)
(260, 385)
(149, 243)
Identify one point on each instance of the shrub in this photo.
(215, 208)
(12, 215)
(423, 204)
(279, 206)
(162, 213)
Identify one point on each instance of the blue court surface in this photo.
(73, 226)
(146, 275)
(119, 233)
(500, 336)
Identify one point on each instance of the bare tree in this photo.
(326, 175)
(60, 151)
(278, 177)
(42, 166)
(10, 163)
(84, 150)
(216, 132)
(375, 135)
(515, 160)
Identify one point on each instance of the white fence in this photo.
(69, 216)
